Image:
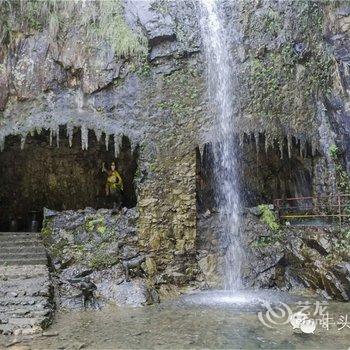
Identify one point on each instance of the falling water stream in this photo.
(221, 91)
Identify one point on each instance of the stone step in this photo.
(29, 290)
(20, 243)
(32, 261)
(24, 255)
(23, 272)
(23, 249)
(23, 313)
(19, 240)
(38, 291)
(26, 281)
(19, 233)
(24, 326)
(24, 300)
(8, 329)
(19, 309)
(25, 285)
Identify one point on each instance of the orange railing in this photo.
(332, 206)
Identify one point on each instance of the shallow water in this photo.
(206, 320)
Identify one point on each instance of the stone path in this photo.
(25, 287)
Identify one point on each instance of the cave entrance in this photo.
(59, 178)
(263, 176)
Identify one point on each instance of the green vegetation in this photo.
(342, 177)
(161, 6)
(334, 152)
(181, 92)
(264, 241)
(46, 230)
(98, 20)
(101, 259)
(282, 83)
(269, 218)
(110, 25)
(341, 247)
(270, 22)
(92, 251)
(95, 224)
(279, 86)
(145, 69)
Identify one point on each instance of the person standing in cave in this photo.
(114, 185)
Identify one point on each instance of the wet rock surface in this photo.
(104, 246)
(294, 259)
(94, 244)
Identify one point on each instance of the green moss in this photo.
(280, 84)
(153, 167)
(22, 16)
(93, 224)
(46, 231)
(144, 70)
(342, 177)
(263, 241)
(269, 22)
(341, 247)
(101, 229)
(57, 249)
(181, 92)
(33, 14)
(101, 260)
(281, 87)
(334, 152)
(161, 6)
(269, 218)
(138, 172)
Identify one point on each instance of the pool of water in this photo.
(213, 320)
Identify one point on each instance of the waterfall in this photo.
(221, 91)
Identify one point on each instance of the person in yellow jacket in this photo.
(114, 182)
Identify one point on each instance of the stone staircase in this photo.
(25, 287)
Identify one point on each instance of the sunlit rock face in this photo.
(293, 105)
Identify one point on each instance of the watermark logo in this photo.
(304, 316)
(275, 315)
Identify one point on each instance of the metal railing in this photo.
(331, 206)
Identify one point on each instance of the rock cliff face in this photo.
(85, 81)
(300, 260)
(136, 69)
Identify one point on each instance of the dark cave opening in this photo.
(263, 175)
(59, 178)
